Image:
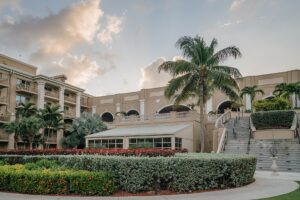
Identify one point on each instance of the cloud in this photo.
(113, 27)
(10, 3)
(236, 4)
(151, 78)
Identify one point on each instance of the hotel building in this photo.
(143, 117)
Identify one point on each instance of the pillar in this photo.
(41, 94)
(248, 102)
(118, 107)
(94, 110)
(61, 98)
(125, 143)
(78, 95)
(11, 137)
(209, 105)
(173, 143)
(142, 107)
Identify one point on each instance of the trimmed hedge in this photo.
(16, 178)
(150, 152)
(182, 173)
(278, 119)
(277, 103)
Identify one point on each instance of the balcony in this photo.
(23, 88)
(3, 83)
(51, 94)
(84, 104)
(4, 117)
(70, 99)
(3, 101)
(69, 114)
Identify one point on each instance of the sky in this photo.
(115, 46)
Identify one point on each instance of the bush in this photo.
(17, 178)
(124, 152)
(181, 173)
(277, 103)
(273, 119)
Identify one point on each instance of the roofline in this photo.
(19, 61)
(269, 73)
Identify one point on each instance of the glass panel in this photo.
(140, 140)
(120, 145)
(167, 145)
(112, 141)
(157, 139)
(157, 145)
(149, 140)
(167, 139)
(132, 140)
(119, 141)
(104, 141)
(112, 145)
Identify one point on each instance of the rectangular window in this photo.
(109, 144)
(150, 143)
(178, 143)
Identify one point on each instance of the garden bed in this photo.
(181, 173)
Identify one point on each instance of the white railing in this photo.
(220, 124)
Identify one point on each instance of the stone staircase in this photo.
(237, 143)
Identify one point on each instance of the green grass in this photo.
(295, 195)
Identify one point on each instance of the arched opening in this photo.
(171, 108)
(226, 105)
(269, 97)
(107, 117)
(132, 112)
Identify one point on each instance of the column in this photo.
(78, 95)
(11, 137)
(248, 102)
(61, 98)
(173, 143)
(142, 107)
(118, 107)
(209, 105)
(294, 100)
(41, 94)
(125, 143)
(94, 110)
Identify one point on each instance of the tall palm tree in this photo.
(52, 119)
(251, 91)
(201, 73)
(285, 90)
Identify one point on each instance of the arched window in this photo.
(177, 108)
(132, 112)
(226, 105)
(107, 117)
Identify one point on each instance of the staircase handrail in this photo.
(222, 142)
(252, 127)
(223, 119)
(295, 127)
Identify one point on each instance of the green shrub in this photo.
(273, 119)
(42, 164)
(16, 178)
(184, 172)
(277, 103)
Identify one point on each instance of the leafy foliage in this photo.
(252, 91)
(85, 125)
(277, 103)
(285, 90)
(184, 172)
(273, 119)
(201, 73)
(16, 178)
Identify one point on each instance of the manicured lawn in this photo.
(290, 196)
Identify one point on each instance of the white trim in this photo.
(107, 112)
(221, 103)
(132, 109)
(173, 105)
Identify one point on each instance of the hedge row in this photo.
(124, 152)
(277, 103)
(278, 119)
(188, 172)
(16, 178)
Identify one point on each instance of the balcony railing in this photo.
(4, 117)
(27, 88)
(3, 100)
(84, 103)
(69, 113)
(4, 82)
(51, 94)
(70, 99)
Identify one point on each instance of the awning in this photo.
(154, 130)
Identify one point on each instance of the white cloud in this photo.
(113, 27)
(151, 78)
(236, 4)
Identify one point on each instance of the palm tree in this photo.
(52, 119)
(285, 90)
(251, 91)
(14, 128)
(26, 109)
(201, 74)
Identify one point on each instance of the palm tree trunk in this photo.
(202, 123)
(30, 145)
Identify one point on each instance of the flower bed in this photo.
(180, 173)
(123, 152)
(18, 178)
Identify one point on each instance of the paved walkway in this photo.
(266, 185)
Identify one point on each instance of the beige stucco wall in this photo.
(273, 134)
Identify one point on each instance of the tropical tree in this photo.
(85, 125)
(200, 73)
(251, 91)
(26, 109)
(30, 127)
(13, 128)
(288, 89)
(52, 119)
